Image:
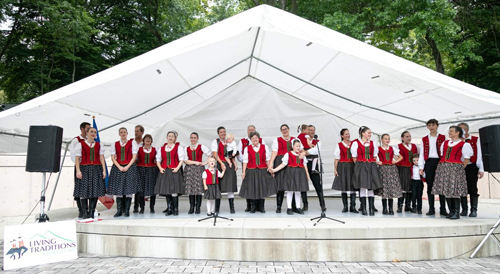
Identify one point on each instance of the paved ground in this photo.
(98, 264)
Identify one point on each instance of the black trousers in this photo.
(417, 189)
(430, 173)
(316, 180)
(471, 176)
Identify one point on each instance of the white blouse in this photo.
(286, 158)
(467, 151)
(336, 153)
(78, 148)
(135, 148)
(394, 148)
(204, 175)
(354, 148)
(205, 150)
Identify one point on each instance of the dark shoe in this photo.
(152, 201)
(400, 204)
(79, 205)
(352, 208)
(84, 203)
(217, 206)
(419, 211)
(474, 199)
(136, 203)
(375, 209)
(465, 208)
(431, 212)
(289, 211)
(407, 201)
(391, 203)
(191, 204)
(344, 202)
(261, 205)
(443, 212)
(142, 204)
(371, 205)
(231, 206)
(253, 206)
(119, 206)
(169, 209)
(413, 210)
(249, 205)
(128, 202)
(278, 209)
(455, 210)
(92, 206)
(175, 202)
(384, 207)
(279, 200)
(442, 203)
(197, 204)
(321, 199)
(304, 201)
(304, 208)
(299, 211)
(209, 214)
(363, 206)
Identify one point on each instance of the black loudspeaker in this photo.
(490, 147)
(44, 149)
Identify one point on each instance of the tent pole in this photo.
(58, 175)
(253, 50)
(334, 94)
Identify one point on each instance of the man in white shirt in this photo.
(139, 131)
(473, 172)
(72, 154)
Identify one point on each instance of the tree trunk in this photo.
(435, 53)
(15, 26)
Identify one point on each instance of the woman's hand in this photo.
(336, 173)
(162, 170)
(205, 187)
(125, 169)
(104, 174)
(379, 163)
(79, 175)
(243, 175)
(175, 170)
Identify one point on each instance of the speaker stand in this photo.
(488, 235)
(43, 217)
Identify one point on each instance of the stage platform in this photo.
(281, 237)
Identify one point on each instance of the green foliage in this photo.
(345, 23)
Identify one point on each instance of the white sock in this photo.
(363, 192)
(315, 162)
(289, 197)
(209, 206)
(297, 199)
(230, 195)
(370, 193)
(175, 195)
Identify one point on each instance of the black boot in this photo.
(384, 207)
(128, 203)
(136, 203)
(142, 204)
(231, 205)
(407, 201)
(474, 199)
(92, 206)
(432, 210)
(249, 205)
(119, 202)
(169, 209)
(198, 204)
(450, 206)
(253, 206)
(294, 205)
(152, 201)
(79, 205)
(262, 208)
(344, 201)
(400, 204)
(371, 205)
(279, 200)
(191, 204)
(304, 201)
(442, 208)
(352, 208)
(175, 202)
(217, 206)
(455, 211)
(391, 203)
(289, 211)
(85, 209)
(465, 208)
(363, 205)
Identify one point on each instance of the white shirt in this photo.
(78, 148)
(180, 152)
(232, 147)
(256, 149)
(240, 148)
(275, 145)
(204, 175)
(314, 150)
(286, 158)
(72, 147)
(467, 151)
(139, 144)
(415, 173)
(205, 150)
(479, 161)
(394, 148)
(354, 148)
(433, 153)
(336, 153)
(135, 148)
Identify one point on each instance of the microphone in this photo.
(315, 137)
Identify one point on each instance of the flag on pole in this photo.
(106, 200)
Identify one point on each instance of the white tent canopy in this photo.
(263, 67)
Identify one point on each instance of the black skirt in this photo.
(343, 182)
(279, 176)
(92, 184)
(296, 179)
(148, 177)
(366, 175)
(170, 182)
(123, 183)
(258, 184)
(213, 192)
(405, 178)
(229, 182)
(193, 179)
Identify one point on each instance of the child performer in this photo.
(366, 176)
(211, 185)
(148, 173)
(296, 176)
(231, 150)
(406, 150)
(344, 168)
(387, 158)
(90, 172)
(123, 179)
(417, 186)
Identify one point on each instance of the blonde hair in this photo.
(230, 135)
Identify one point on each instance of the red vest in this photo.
(365, 154)
(294, 161)
(124, 153)
(146, 159)
(386, 156)
(256, 159)
(345, 153)
(440, 139)
(210, 177)
(452, 154)
(303, 139)
(284, 146)
(245, 142)
(407, 154)
(473, 143)
(90, 156)
(221, 152)
(315, 141)
(169, 159)
(80, 139)
(195, 155)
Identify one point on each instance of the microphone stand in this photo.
(323, 214)
(216, 214)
